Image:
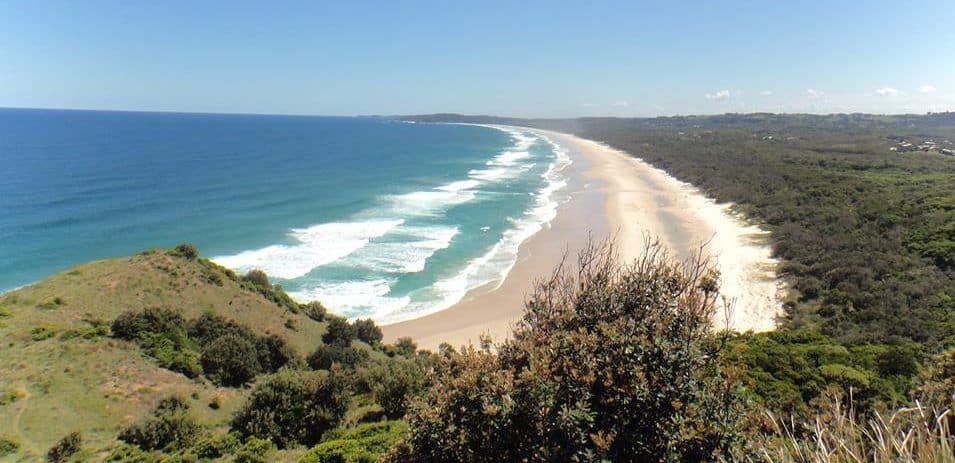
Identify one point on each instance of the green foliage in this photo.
(608, 364)
(293, 407)
(258, 278)
(170, 427)
(230, 360)
(364, 443)
(404, 347)
(325, 356)
(254, 450)
(786, 370)
(65, 448)
(186, 251)
(366, 331)
(216, 445)
(162, 335)
(338, 332)
(396, 385)
(315, 310)
(42, 332)
(8, 445)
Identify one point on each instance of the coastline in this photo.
(613, 193)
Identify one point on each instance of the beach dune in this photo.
(613, 194)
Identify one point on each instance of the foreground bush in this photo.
(170, 427)
(293, 407)
(609, 363)
(162, 335)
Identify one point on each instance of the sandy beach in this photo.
(612, 193)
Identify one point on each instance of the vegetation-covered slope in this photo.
(63, 372)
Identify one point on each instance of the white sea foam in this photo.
(407, 250)
(317, 245)
(494, 265)
(342, 296)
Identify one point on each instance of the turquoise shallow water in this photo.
(373, 217)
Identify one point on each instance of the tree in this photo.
(170, 427)
(325, 356)
(293, 407)
(187, 251)
(338, 332)
(230, 360)
(367, 331)
(609, 363)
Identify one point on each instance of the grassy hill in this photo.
(60, 371)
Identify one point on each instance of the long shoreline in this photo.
(613, 193)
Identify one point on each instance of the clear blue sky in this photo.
(517, 58)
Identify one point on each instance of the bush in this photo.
(394, 389)
(364, 443)
(609, 363)
(275, 353)
(231, 360)
(258, 278)
(211, 326)
(405, 347)
(8, 445)
(367, 332)
(293, 407)
(315, 310)
(216, 445)
(186, 250)
(254, 451)
(338, 332)
(162, 334)
(327, 355)
(132, 325)
(171, 426)
(65, 448)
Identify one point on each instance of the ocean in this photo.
(373, 217)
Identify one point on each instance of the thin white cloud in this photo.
(766, 92)
(587, 105)
(620, 104)
(887, 91)
(720, 95)
(927, 88)
(813, 93)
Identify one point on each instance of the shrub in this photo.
(8, 445)
(43, 332)
(186, 250)
(293, 407)
(65, 448)
(609, 363)
(162, 334)
(258, 278)
(405, 347)
(211, 326)
(216, 445)
(363, 443)
(171, 426)
(254, 451)
(395, 388)
(367, 332)
(131, 325)
(327, 355)
(315, 310)
(230, 360)
(275, 353)
(338, 332)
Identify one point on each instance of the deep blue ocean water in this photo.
(373, 217)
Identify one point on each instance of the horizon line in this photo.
(213, 113)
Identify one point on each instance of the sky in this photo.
(515, 58)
